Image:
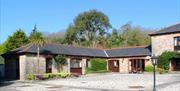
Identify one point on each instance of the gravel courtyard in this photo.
(100, 82)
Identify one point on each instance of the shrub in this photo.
(30, 77)
(1, 60)
(47, 76)
(164, 59)
(60, 60)
(98, 64)
(160, 70)
(149, 68)
(64, 75)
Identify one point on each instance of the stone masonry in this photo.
(30, 65)
(123, 64)
(161, 43)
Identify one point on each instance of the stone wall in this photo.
(29, 64)
(35, 66)
(124, 64)
(161, 43)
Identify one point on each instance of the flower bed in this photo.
(47, 76)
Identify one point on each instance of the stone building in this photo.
(167, 39)
(23, 60)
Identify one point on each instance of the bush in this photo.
(98, 64)
(64, 75)
(47, 76)
(88, 70)
(165, 58)
(30, 77)
(160, 70)
(149, 68)
(1, 60)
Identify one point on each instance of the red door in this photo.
(76, 70)
(113, 65)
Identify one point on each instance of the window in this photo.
(177, 41)
(76, 63)
(116, 64)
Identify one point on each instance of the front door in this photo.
(137, 65)
(176, 65)
(113, 65)
(76, 66)
(49, 65)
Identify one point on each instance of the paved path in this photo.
(101, 82)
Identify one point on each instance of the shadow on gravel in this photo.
(6, 82)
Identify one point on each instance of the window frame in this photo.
(177, 41)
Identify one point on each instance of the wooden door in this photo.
(76, 66)
(113, 65)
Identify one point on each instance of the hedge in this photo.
(98, 65)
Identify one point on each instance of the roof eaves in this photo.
(154, 34)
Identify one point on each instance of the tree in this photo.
(134, 36)
(57, 37)
(60, 60)
(114, 39)
(70, 35)
(1, 60)
(18, 39)
(87, 26)
(37, 39)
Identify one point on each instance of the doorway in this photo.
(76, 66)
(48, 65)
(113, 65)
(175, 65)
(137, 65)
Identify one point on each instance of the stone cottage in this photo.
(23, 60)
(167, 39)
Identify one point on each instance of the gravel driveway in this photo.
(101, 82)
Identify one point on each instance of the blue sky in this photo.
(55, 15)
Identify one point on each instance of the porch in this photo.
(128, 65)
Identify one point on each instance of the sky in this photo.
(55, 15)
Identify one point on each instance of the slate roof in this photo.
(61, 49)
(171, 29)
(78, 51)
(129, 52)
